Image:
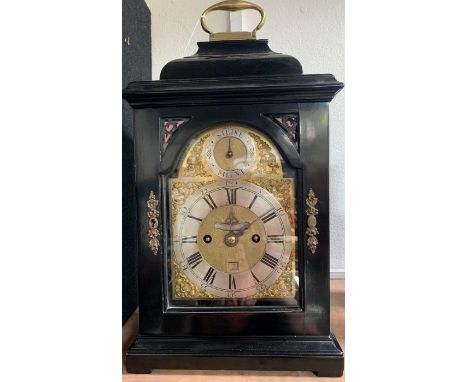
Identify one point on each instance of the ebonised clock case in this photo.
(273, 337)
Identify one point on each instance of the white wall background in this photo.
(310, 30)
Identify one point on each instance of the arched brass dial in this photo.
(232, 218)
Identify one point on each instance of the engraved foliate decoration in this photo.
(289, 123)
(168, 128)
(268, 163)
(312, 230)
(153, 214)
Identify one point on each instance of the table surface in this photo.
(130, 329)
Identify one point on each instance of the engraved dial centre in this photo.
(231, 228)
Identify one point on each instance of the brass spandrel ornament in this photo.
(193, 166)
(268, 163)
(184, 288)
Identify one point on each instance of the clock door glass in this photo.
(232, 222)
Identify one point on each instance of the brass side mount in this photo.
(312, 211)
(153, 215)
(233, 6)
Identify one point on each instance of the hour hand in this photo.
(229, 153)
(232, 227)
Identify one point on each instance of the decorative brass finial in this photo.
(233, 6)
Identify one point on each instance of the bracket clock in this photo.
(232, 185)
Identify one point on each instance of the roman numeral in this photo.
(255, 277)
(267, 216)
(269, 260)
(194, 260)
(209, 200)
(253, 201)
(195, 218)
(189, 239)
(231, 195)
(232, 282)
(210, 275)
(275, 239)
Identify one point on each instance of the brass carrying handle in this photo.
(233, 6)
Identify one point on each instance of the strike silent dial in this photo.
(230, 152)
